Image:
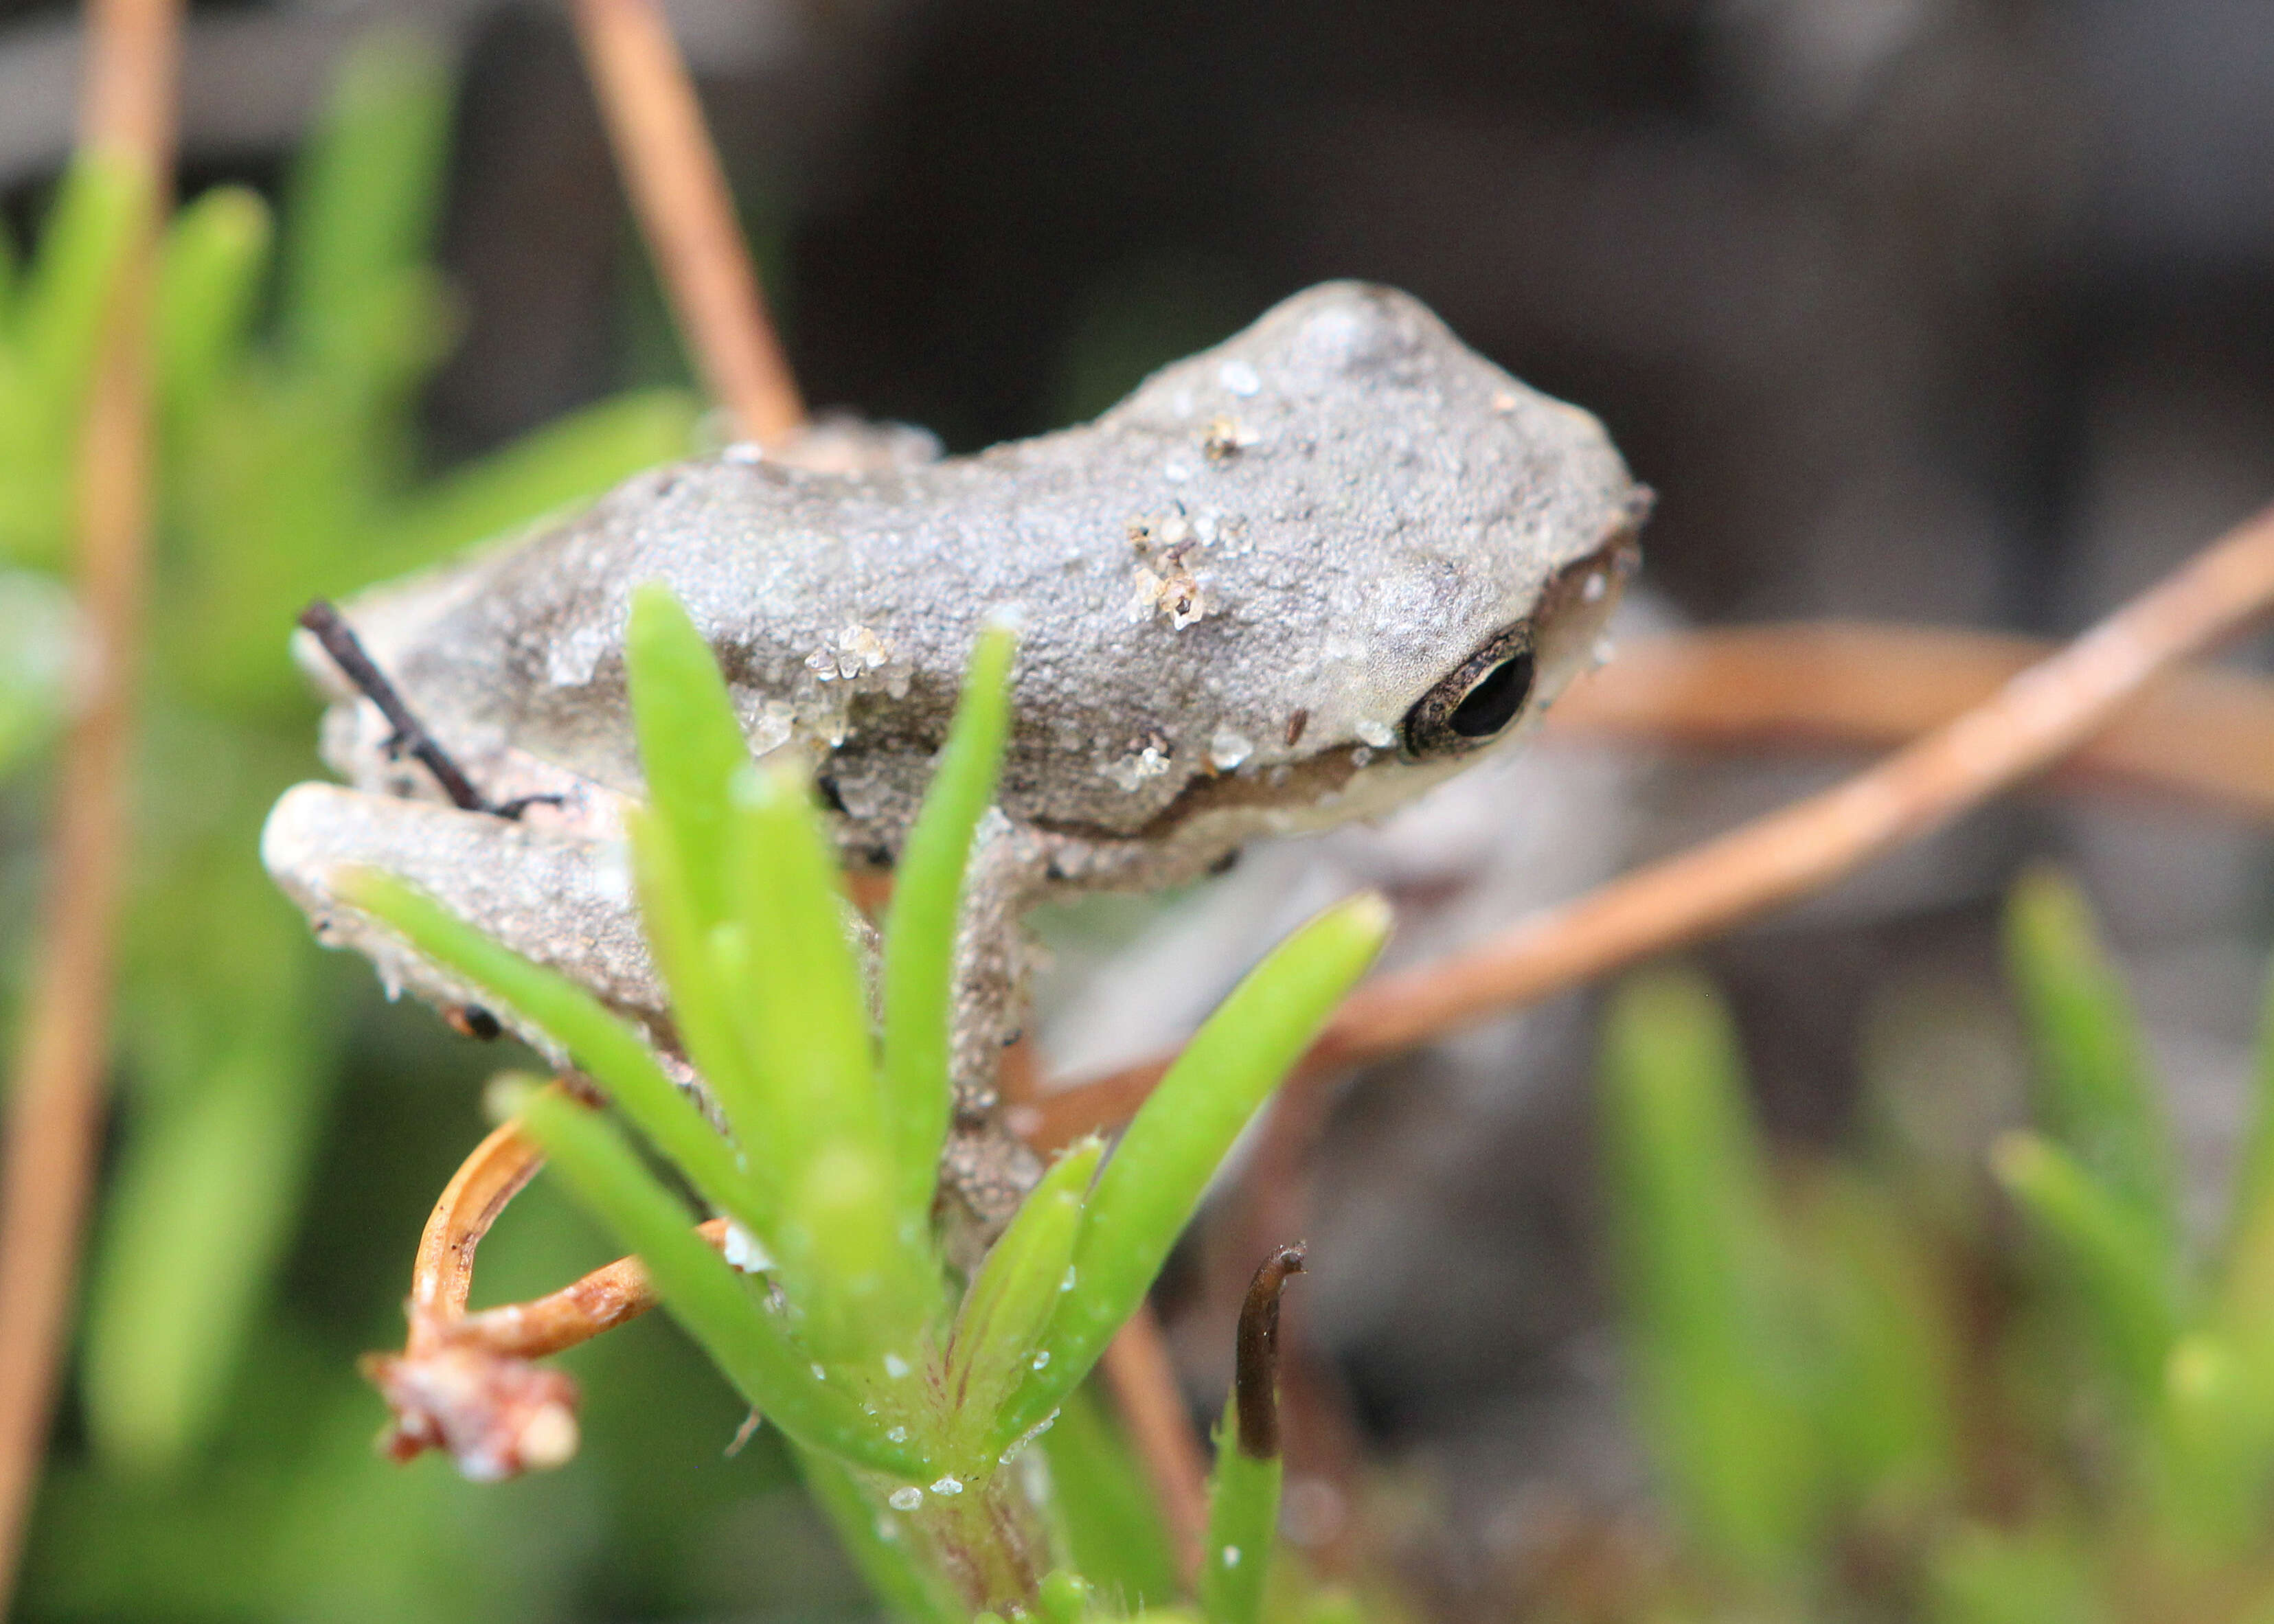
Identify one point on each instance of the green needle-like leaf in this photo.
(921, 927)
(363, 195)
(878, 1543)
(704, 1294)
(1720, 1366)
(549, 469)
(2110, 1256)
(1112, 1522)
(208, 290)
(1887, 1407)
(48, 353)
(602, 1045)
(200, 1211)
(691, 745)
(2246, 1299)
(61, 311)
(1000, 1325)
(702, 1000)
(1981, 1576)
(1157, 1174)
(869, 1286)
(1065, 1597)
(2094, 1095)
(1243, 1517)
(2211, 1462)
(807, 1014)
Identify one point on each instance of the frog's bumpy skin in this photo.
(1286, 541)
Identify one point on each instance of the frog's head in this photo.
(1424, 554)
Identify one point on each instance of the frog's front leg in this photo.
(985, 1163)
(565, 900)
(558, 899)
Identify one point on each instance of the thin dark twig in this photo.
(348, 653)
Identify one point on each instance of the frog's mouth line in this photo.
(1327, 772)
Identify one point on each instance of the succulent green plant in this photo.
(911, 1398)
(2080, 1427)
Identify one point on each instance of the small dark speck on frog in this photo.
(1225, 439)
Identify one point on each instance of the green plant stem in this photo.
(1243, 1516)
(989, 1539)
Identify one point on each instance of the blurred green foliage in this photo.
(205, 1470)
(1869, 1401)
(290, 470)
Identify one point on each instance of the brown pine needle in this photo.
(1142, 1378)
(55, 1106)
(687, 213)
(2031, 721)
(2204, 735)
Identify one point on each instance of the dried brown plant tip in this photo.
(1256, 1369)
(497, 1416)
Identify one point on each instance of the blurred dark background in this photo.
(1949, 311)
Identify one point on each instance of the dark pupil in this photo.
(1493, 703)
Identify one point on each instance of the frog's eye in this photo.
(1474, 705)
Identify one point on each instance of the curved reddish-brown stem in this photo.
(467, 1383)
(499, 1168)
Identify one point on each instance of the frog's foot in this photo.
(985, 1165)
(559, 900)
(986, 1170)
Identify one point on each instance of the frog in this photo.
(1294, 580)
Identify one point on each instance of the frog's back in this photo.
(1293, 533)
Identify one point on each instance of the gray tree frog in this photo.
(1293, 580)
